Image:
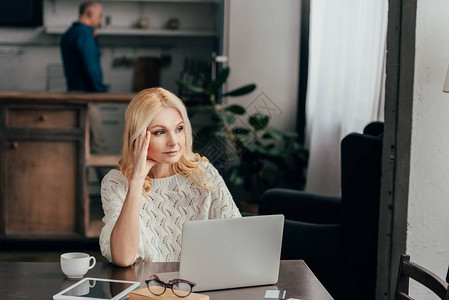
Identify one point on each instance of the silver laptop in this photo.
(231, 253)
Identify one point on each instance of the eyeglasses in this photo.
(180, 287)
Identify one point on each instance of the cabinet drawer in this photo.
(38, 117)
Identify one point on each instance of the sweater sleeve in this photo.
(113, 193)
(222, 203)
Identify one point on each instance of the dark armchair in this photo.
(337, 236)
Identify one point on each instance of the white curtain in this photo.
(346, 67)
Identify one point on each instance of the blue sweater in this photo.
(81, 58)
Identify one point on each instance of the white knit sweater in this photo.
(171, 202)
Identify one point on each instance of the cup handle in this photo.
(94, 262)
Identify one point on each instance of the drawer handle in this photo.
(14, 145)
(43, 118)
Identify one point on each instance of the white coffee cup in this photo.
(76, 264)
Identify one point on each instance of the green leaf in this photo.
(250, 146)
(222, 77)
(215, 85)
(274, 133)
(191, 88)
(292, 135)
(226, 118)
(245, 141)
(230, 119)
(259, 121)
(241, 91)
(212, 88)
(240, 131)
(275, 152)
(236, 109)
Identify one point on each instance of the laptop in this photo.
(231, 253)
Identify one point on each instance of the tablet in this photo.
(97, 289)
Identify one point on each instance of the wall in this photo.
(24, 56)
(264, 49)
(428, 211)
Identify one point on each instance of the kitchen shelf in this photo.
(116, 31)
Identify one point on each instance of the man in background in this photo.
(80, 53)
(81, 60)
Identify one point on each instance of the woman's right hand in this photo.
(141, 163)
(125, 236)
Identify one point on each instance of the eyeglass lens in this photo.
(156, 287)
(181, 289)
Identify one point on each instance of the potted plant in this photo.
(267, 157)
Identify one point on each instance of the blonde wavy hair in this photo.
(139, 114)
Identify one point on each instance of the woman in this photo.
(160, 185)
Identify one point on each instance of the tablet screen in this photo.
(98, 288)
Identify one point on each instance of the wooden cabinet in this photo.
(43, 161)
(42, 166)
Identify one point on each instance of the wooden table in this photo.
(28, 280)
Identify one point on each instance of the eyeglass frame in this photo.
(169, 284)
